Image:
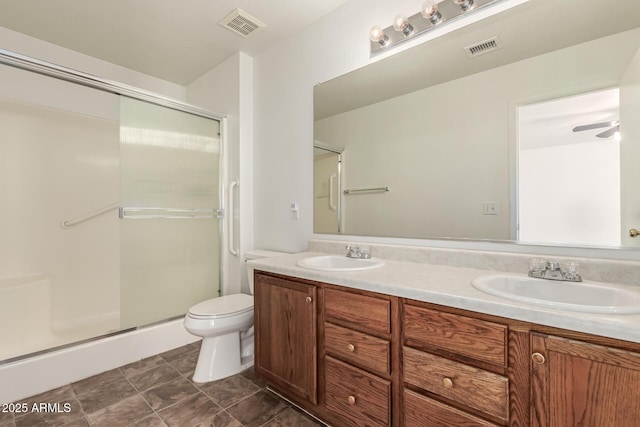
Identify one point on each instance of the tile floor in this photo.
(158, 391)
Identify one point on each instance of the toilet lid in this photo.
(227, 305)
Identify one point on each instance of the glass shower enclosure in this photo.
(111, 210)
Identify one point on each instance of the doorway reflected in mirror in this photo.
(569, 170)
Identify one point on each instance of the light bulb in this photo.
(464, 4)
(377, 35)
(401, 23)
(430, 11)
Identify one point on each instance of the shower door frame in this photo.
(37, 66)
(27, 63)
(339, 153)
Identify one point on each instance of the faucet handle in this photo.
(537, 264)
(364, 252)
(353, 251)
(552, 265)
(569, 268)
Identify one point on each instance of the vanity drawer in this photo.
(358, 309)
(357, 347)
(420, 411)
(474, 338)
(470, 386)
(360, 398)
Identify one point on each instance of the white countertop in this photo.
(451, 286)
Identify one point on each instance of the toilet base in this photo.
(220, 357)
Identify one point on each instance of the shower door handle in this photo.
(231, 237)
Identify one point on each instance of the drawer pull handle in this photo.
(538, 358)
(351, 348)
(308, 299)
(352, 400)
(447, 383)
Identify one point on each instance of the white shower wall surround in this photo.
(27, 298)
(60, 163)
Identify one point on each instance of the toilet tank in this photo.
(258, 254)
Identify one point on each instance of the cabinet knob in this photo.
(538, 358)
(447, 383)
(352, 400)
(351, 348)
(308, 299)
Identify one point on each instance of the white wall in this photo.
(570, 193)
(283, 149)
(283, 131)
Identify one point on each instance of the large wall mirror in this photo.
(536, 141)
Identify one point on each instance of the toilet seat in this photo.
(224, 306)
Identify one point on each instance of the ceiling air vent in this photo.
(483, 47)
(240, 22)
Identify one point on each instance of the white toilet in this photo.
(226, 327)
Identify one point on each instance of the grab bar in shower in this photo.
(169, 213)
(367, 190)
(231, 233)
(79, 220)
(332, 206)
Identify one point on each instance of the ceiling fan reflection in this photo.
(614, 126)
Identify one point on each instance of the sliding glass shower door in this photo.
(109, 210)
(169, 167)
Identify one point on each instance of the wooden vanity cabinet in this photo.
(357, 357)
(286, 334)
(454, 369)
(360, 359)
(575, 383)
(326, 349)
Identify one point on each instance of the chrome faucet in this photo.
(357, 252)
(553, 270)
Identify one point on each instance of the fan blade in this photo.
(609, 132)
(594, 126)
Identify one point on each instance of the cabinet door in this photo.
(285, 335)
(579, 384)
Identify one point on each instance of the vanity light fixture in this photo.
(430, 11)
(401, 23)
(464, 4)
(435, 14)
(377, 35)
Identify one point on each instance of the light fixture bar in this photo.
(448, 11)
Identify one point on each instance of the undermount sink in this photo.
(587, 297)
(339, 263)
